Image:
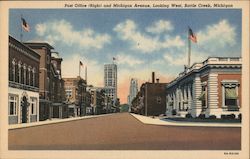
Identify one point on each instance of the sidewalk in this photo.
(52, 121)
(157, 121)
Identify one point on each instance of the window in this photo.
(33, 106)
(13, 74)
(13, 102)
(203, 96)
(24, 73)
(158, 100)
(230, 95)
(68, 93)
(231, 98)
(19, 72)
(16, 73)
(29, 76)
(33, 77)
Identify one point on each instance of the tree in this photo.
(124, 108)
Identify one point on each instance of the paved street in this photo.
(122, 132)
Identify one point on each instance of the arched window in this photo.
(29, 76)
(12, 69)
(19, 72)
(34, 73)
(24, 73)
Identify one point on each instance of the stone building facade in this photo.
(210, 88)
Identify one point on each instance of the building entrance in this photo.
(24, 109)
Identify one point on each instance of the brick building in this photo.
(212, 87)
(151, 99)
(50, 83)
(97, 100)
(59, 106)
(23, 89)
(77, 98)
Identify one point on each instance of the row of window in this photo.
(22, 73)
(229, 97)
(14, 105)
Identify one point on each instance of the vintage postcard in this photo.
(124, 79)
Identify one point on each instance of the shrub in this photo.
(188, 115)
(239, 116)
(212, 117)
(223, 116)
(202, 116)
(174, 112)
(231, 116)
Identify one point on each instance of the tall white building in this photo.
(110, 80)
(133, 90)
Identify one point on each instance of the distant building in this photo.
(133, 90)
(151, 99)
(77, 97)
(97, 104)
(110, 81)
(23, 89)
(60, 109)
(212, 87)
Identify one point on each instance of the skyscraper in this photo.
(133, 90)
(110, 80)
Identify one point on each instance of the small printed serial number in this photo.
(231, 153)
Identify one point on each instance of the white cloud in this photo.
(214, 40)
(172, 42)
(160, 27)
(181, 59)
(217, 36)
(128, 31)
(158, 62)
(128, 59)
(40, 29)
(63, 31)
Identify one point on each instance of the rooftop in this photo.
(208, 61)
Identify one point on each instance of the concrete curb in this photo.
(54, 121)
(156, 121)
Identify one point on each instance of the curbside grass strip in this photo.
(157, 121)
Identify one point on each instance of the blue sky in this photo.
(141, 40)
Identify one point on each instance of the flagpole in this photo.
(21, 34)
(79, 69)
(189, 49)
(86, 74)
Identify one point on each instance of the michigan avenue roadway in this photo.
(122, 132)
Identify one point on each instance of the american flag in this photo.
(25, 25)
(192, 36)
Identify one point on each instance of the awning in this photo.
(202, 96)
(230, 93)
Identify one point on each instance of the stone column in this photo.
(196, 104)
(212, 91)
(174, 100)
(189, 97)
(185, 97)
